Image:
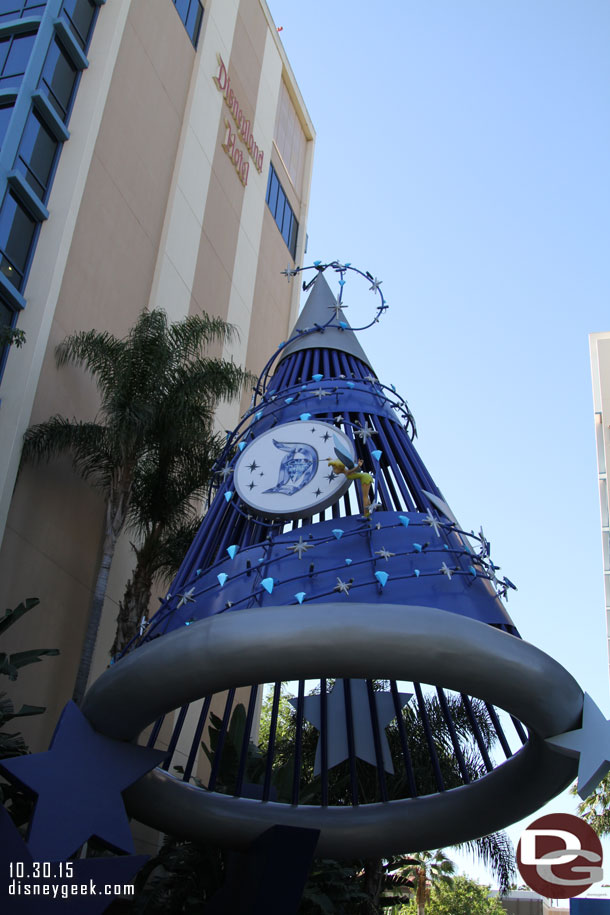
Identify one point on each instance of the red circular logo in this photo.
(560, 856)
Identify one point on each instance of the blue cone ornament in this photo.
(419, 718)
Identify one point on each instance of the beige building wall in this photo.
(147, 209)
(599, 345)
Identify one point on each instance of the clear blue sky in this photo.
(463, 158)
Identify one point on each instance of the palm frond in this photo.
(87, 443)
(173, 548)
(496, 852)
(12, 615)
(595, 809)
(200, 331)
(216, 378)
(97, 352)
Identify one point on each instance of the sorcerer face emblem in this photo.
(284, 471)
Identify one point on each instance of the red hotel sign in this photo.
(237, 155)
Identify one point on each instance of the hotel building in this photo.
(599, 345)
(155, 153)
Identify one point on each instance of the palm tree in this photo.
(158, 394)
(162, 547)
(497, 854)
(595, 809)
(427, 869)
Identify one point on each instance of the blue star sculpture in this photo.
(79, 781)
(364, 742)
(590, 744)
(82, 893)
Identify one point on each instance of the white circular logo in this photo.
(284, 472)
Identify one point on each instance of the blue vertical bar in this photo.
(221, 740)
(453, 734)
(349, 725)
(175, 737)
(423, 714)
(477, 732)
(196, 738)
(324, 741)
(271, 744)
(406, 755)
(298, 744)
(243, 759)
(383, 788)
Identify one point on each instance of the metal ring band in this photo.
(348, 641)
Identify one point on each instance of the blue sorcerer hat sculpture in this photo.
(329, 557)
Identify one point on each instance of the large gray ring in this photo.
(349, 641)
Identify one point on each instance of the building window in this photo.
(17, 9)
(290, 138)
(36, 155)
(191, 13)
(5, 116)
(17, 230)
(81, 16)
(15, 53)
(59, 79)
(6, 315)
(7, 319)
(282, 212)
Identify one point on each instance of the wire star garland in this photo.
(343, 586)
(300, 547)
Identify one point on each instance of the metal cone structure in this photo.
(329, 558)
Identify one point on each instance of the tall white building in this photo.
(599, 345)
(154, 153)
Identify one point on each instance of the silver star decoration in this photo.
(186, 598)
(376, 284)
(364, 742)
(484, 543)
(343, 586)
(288, 272)
(446, 570)
(225, 471)
(490, 568)
(300, 547)
(365, 432)
(320, 393)
(433, 522)
(384, 554)
(337, 308)
(371, 380)
(590, 743)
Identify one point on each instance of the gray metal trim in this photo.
(356, 640)
(317, 311)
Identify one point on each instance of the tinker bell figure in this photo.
(344, 464)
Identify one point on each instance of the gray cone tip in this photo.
(317, 311)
